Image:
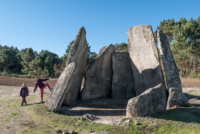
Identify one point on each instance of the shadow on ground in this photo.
(111, 109)
(183, 114)
(116, 109)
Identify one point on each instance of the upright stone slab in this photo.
(171, 71)
(145, 63)
(98, 78)
(78, 54)
(62, 86)
(122, 80)
(150, 102)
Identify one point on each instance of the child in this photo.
(38, 82)
(23, 93)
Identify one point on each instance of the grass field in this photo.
(36, 119)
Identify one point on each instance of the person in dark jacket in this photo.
(23, 93)
(39, 82)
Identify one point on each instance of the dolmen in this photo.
(135, 75)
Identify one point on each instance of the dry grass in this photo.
(190, 82)
(11, 81)
(36, 119)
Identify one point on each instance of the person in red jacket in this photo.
(39, 82)
(23, 93)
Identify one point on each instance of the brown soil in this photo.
(105, 109)
(190, 82)
(11, 81)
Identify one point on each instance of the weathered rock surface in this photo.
(171, 71)
(176, 97)
(98, 78)
(62, 86)
(150, 102)
(78, 54)
(122, 81)
(145, 63)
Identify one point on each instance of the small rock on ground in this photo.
(137, 122)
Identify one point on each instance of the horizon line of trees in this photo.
(183, 36)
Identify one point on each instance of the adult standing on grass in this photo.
(39, 82)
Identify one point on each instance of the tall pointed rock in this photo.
(69, 83)
(78, 54)
(170, 68)
(145, 63)
(98, 79)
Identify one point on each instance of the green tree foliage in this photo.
(48, 60)
(91, 59)
(168, 26)
(10, 60)
(65, 57)
(41, 65)
(27, 56)
(122, 47)
(186, 45)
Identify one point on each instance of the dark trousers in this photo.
(23, 99)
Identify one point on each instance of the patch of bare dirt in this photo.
(190, 82)
(11, 81)
(105, 109)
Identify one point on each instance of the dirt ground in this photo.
(190, 82)
(11, 81)
(104, 109)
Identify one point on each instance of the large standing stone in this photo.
(171, 71)
(145, 63)
(176, 97)
(150, 102)
(62, 86)
(78, 54)
(122, 80)
(98, 78)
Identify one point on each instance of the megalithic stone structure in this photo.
(145, 63)
(170, 68)
(150, 102)
(62, 86)
(98, 78)
(78, 54)
(122, 80)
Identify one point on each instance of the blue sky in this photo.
(52, 24)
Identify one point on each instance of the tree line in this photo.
(183, 36)
(29, 63)
(184, 40)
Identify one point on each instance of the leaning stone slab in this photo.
(145, 63)
(98, 78)
(61, 88)
(78, 54)
(176, 97)
(150, 102)
(171, 71)
(122, 80)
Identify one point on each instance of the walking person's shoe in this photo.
(42, 101)
(51, 88)
(21, 104)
